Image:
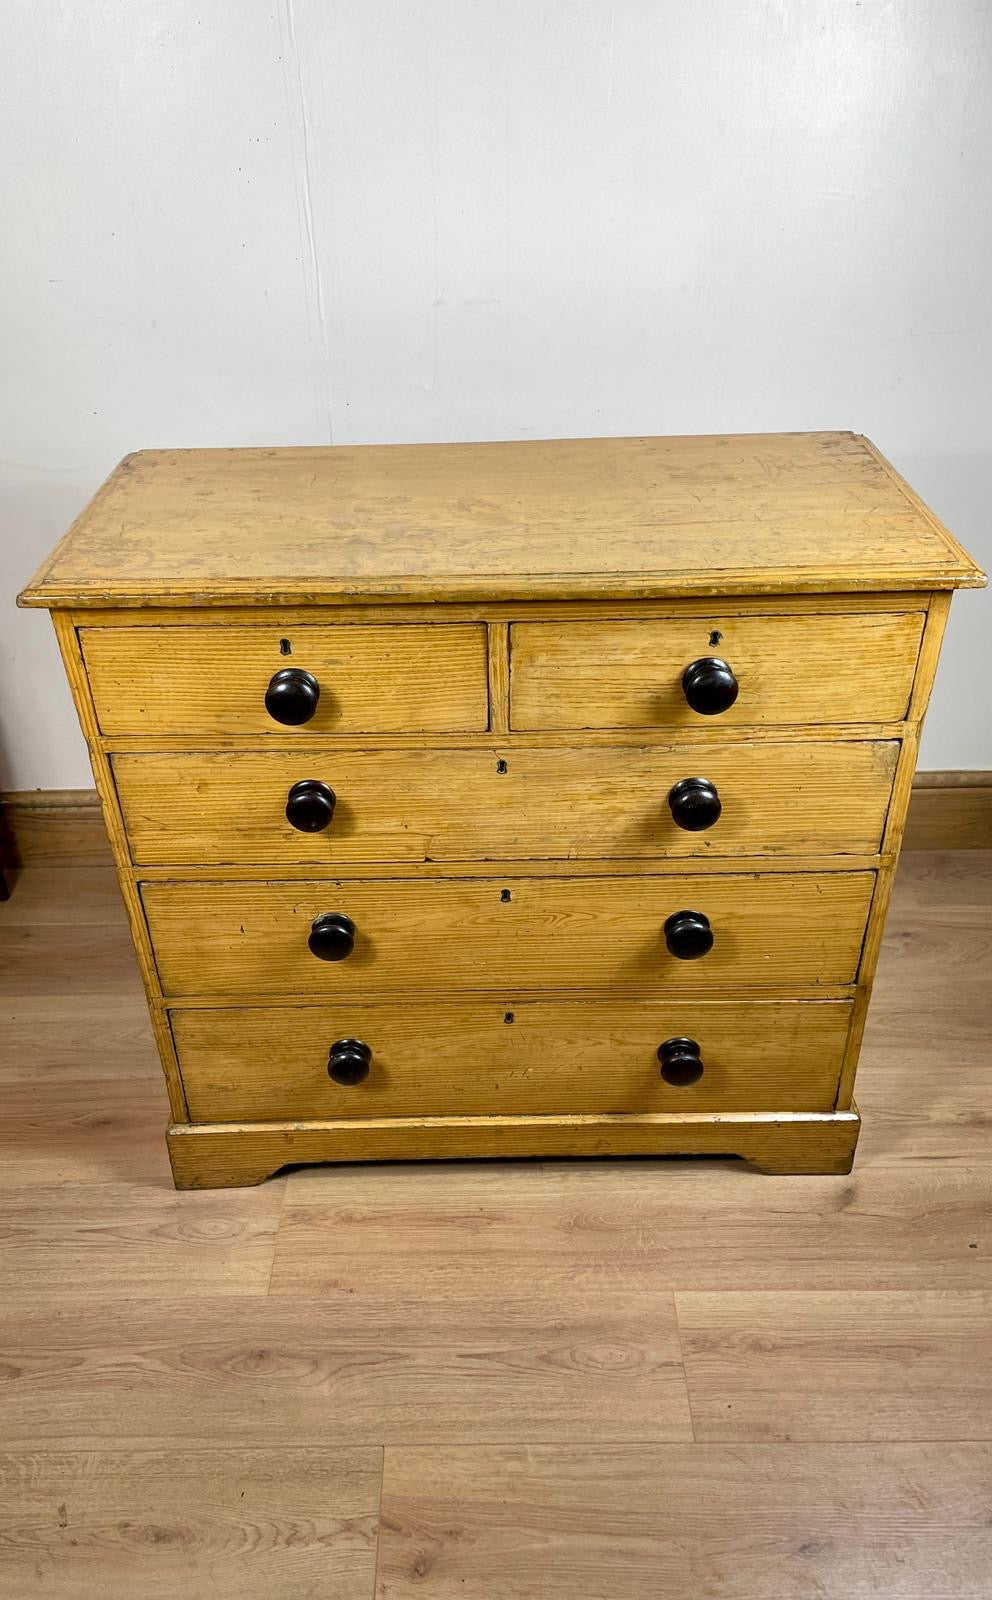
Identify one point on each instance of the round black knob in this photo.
(310, 805)
(680, 1063)
(695, 804)
(292, 696)
(688, 935)
(332, 936)
(349, 1061)
(709, 686)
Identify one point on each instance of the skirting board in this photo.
(63, 827)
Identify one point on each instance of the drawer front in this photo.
(806, 669)
(770, 930)
(484, 1058)
(477, 805)
(401, 678)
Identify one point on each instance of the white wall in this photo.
(363, 220)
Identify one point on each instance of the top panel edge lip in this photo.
(849, 434)
(315, 592)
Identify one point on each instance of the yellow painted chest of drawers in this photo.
(505, 799)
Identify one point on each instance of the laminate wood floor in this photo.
(537, 1381)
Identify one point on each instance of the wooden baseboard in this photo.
(64, 827)
(52, 828)
(950, 811)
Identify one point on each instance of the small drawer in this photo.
(502, 804)
(809, 669)
(769, 930)
(404, 678)
(488, 1058)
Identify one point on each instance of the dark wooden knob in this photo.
(332, 936)
(292, 696)
(310, 805)
(695, 804)
(688, 935)
(709, 686)
(680, 1063)
(349, 1061)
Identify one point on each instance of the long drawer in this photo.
(770, 930)
(475, 1058)
(399, 677)
(810, 669)
(502, 804)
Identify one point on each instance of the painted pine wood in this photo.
(64, 828)
(219, 1155)
(372, 680)
(759, 513)
(472, 1058)
(497, 804)
(801, 669)
(771, 931)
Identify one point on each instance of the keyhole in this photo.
(501, 766)
(505, 895)
(715, 637)
(285, 648)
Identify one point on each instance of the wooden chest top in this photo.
(636, 518)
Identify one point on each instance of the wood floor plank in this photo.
(950, 877)
(156, 1525)
(63, 896)
(912, 959)
(928, 1125)
(102, 1132)
(91, 958)
(752, 1522)
(78, 1038)
(255, 1371)
(854, 1366)
(676, 1225)
(78, 1242)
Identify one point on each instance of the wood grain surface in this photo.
(792, 1363)
(803, 669)
(263, 1371)
(282, 1523)
(748, 513)
(437, 1058)
(770, 931)
(947, 811)
(763, 1522)
(213, 680)
(571, 1227)
(174, 1425)
(229, 808)
(217, 1155)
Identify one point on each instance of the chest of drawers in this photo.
(506, 799)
